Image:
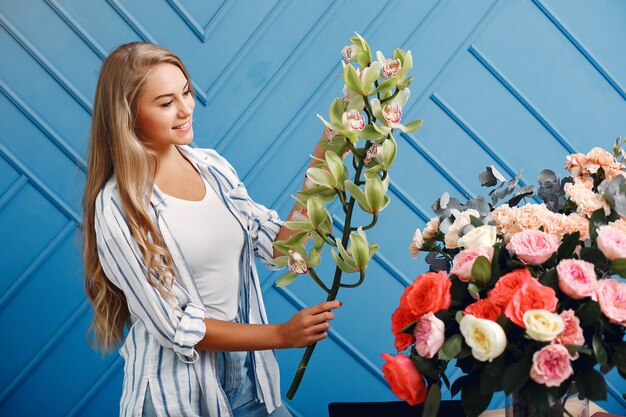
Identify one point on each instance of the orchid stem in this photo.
(356, 284)
(330, 242)
(332, 294)
(318, 281)
(374, 220)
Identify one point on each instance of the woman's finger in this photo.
(325, 306)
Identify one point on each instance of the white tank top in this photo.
(211, 241)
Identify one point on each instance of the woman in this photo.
(170, 236)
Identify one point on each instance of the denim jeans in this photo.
(236, 377)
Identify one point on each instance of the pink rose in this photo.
(429, 335)
(404, 379)
(611, 295)
(551, 366)
(577, 278)
(464, 261)
(572, 333)
(533, 247)
(612, 242)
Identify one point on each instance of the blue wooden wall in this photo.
(514, 83)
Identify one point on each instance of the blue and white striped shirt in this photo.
(159, 348)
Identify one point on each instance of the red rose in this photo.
(484, 309)
(531, 296)
(401, 318)
(405, 380)
(508, 285)
(429, 292)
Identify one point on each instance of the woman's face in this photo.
(165, 108)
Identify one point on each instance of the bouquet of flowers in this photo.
(524, 299)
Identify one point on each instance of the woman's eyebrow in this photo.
(170, 94)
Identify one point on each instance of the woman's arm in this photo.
(306, 327)
(284, 233)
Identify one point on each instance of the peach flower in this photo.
(431, 228)
(429, 292)
(530, 296)
(459, 223)
(574, 164)
(586, 200)
(507, 286)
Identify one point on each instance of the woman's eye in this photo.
(186, 93)
(167, 104)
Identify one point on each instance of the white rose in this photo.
(480, 236)
(543, 326)
(485, 337)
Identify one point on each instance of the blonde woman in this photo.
(170, 237)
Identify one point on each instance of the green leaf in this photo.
(594, 256)
(451, 347)
(588, 313)
(314, 258)
(358, 195)
(550, 278)
(304, 226)
(280, 261)
(458, 290)
(321, 177)
(596, 220)
(425, 366)
(475, 221)
(337, 168)
(457, 385)
(619, 357)
(317, 211)
(370, 133)
(591, 384)
(618, 267)
(516, 375)
(286, 279)
(568, 245)
(336, 112)
(433, 401)
(599, 350)
(413, 126)
(491, 376)
(474, 402)
(343, 265)
(408, 329)
(352, 80)
(481, 270)
(386, 85)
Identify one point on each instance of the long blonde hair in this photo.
(115, 149)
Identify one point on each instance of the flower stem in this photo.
(391, 97)
(332, 294)
(356, 284)
(374, 220)
(326, 239)
(318, 281)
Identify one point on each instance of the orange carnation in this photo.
(429, 292)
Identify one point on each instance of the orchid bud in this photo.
(337, 168)
(362, 252)
(375, 190)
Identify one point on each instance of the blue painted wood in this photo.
(515, 83)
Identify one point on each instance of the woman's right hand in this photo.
(308, 325)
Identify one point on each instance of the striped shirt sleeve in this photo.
(175, 326)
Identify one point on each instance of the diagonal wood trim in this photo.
(45, 350)
(17, 185)
(525, 101)
(77, 28)
(43, 126)
(595, 62)
(95, 388)
(36, 263)
(479, 140)
(188, 19)
(38, 183)
(45, 64)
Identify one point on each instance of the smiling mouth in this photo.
(183, 126)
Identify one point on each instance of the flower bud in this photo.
(317, 211)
